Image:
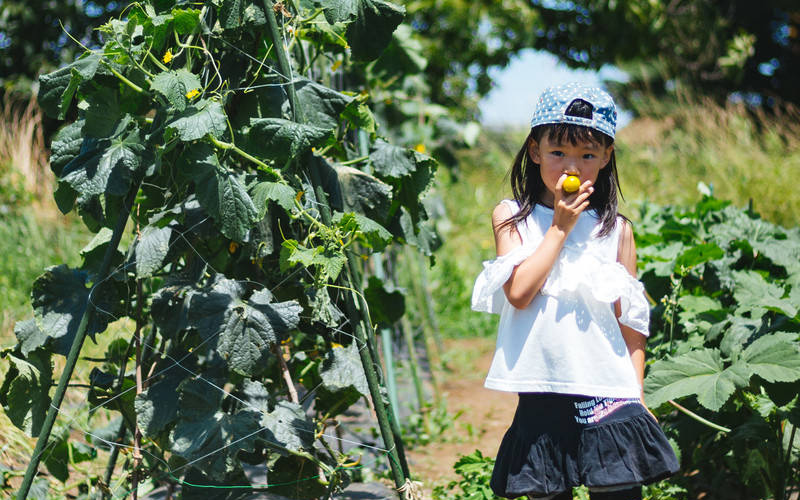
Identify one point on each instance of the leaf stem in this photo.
(697, 417)
(355, 160)
(245, 155)
(123, 79)
(155, 60)
(287, 376)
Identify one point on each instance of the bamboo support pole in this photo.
(362, 328)
(77, 343)
(408, 336)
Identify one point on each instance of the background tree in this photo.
(34, 40)
(716, 48)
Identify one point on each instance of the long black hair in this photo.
(526, 179)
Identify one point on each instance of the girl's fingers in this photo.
(582, 197)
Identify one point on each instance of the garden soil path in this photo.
(484, 414)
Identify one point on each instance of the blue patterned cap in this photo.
(554, 101)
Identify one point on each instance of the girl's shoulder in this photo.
(504, 210)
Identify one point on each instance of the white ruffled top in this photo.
(567, 340)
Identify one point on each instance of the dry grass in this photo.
(743, 154)
(24, 158)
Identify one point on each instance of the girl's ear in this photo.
(607, 155)
(534, 152)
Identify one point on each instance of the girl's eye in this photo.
(588, 156)
(557, 153)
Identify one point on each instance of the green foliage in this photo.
(716, 48)
(475, 471)
(725, 341)
(34, 40)
(251, 225)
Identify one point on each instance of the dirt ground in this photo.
(484, 414)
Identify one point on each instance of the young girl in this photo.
(573, 316)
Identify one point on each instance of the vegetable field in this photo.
(284, 206)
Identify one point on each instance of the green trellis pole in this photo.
(77, 343)
(363, 329)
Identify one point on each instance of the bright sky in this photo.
(519, 84)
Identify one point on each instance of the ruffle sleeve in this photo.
(584, 274)
(487, 294)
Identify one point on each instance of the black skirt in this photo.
(558, 441)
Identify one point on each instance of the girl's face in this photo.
(584, 160)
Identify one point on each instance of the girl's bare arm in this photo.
(634, 340)
(527, 278)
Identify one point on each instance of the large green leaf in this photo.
(60, 297)
(371, 24)
(386, 303)
(221, 193)
(364, 193)
(157, 407)
(197, 120)
(29, 336)
(282, 194)
(755, 294)
(174, 85)
(697, 254)
(410, 173)
(700, 372)
(738, 335)
(151, 249)
(403, 56)
(66, 145)
(57, 89)
(343, 381)
(104, 114)
(775, 357)
(237, 14)
(25, 393)
(321, 105)
(106, 166)
(392, 161)
(209, 436)
(288, 428)
(281, 140)
(247, 329)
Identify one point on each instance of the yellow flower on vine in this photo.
(336, 65)
(167, 56)
(192, 94)
(420, 148)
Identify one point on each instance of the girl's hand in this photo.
(567, 207)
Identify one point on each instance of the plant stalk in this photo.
(391, 380)
(77, 343)
(408, 336)
(137, 433)
(697, 417)
(362, 327)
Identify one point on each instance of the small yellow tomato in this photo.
(571, 184)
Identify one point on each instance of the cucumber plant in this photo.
(222, 138)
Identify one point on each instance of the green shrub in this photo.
(725, 344)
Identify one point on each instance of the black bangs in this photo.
(562, 133)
